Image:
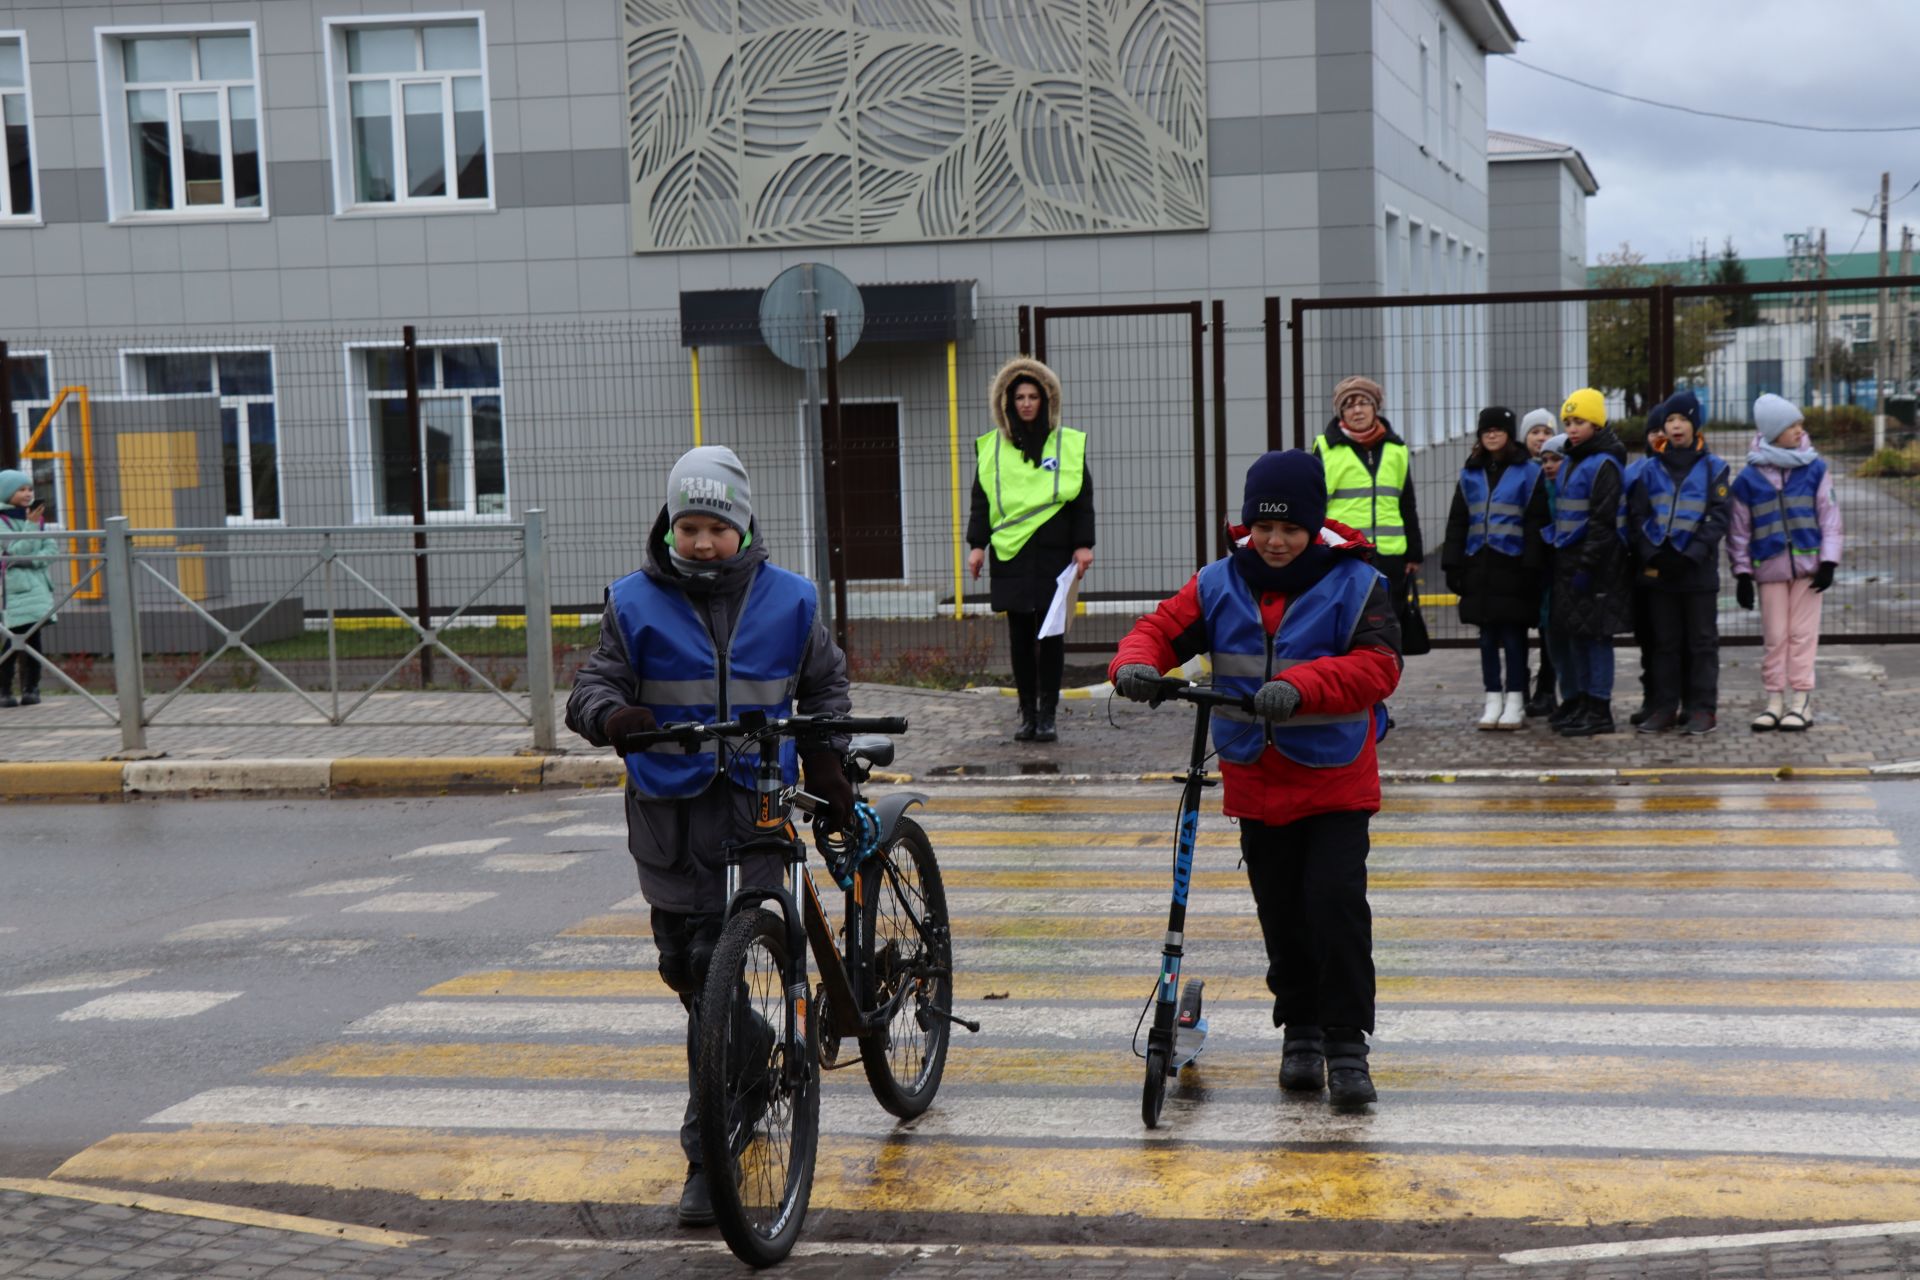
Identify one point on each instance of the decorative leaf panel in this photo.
(821, 122)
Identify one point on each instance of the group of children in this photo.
(1563, 532)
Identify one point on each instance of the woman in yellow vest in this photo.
(1370, 483)
(1033, 507)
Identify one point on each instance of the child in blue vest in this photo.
(1784, 534)
(1299, 595)
(1591, 577)
(1553, 457)
(1493, 558)
(1677, 508)
(705, 588)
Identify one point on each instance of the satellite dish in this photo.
(791, 308)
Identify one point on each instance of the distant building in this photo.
(1537, 237)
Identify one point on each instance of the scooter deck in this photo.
(1188, 1042)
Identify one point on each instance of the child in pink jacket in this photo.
(1784, 534)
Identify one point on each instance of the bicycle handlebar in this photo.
(692, 733)
(1201, 695)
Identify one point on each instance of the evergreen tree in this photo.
(1742, 309)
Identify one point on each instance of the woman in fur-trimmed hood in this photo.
(1032, 516)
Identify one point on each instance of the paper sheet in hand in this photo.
(1066, 593)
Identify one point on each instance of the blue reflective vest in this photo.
(682, 679)
(1494, 517)
(1317, 624)
(1675, 515)
(1576, 495)
(1783, 518)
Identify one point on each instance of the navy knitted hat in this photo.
(1496, 417)
(1684, 403)
(1288, 485)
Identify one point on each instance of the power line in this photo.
(1717, 115)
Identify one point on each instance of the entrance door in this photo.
(864, 490)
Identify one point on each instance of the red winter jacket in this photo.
(1275, 790)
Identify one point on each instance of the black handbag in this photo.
(1414, 641)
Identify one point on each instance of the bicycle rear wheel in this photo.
(906, 923)
(759, 1108)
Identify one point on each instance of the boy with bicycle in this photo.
(1299, 619)
(706, 606)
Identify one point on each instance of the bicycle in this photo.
(887, 981)
(1179, 1030)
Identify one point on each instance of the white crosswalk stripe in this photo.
(148, 1006)
(457, 848)
(401, 903)
(101, 981)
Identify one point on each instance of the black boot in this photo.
(1027, 726)
(1349, 1084)
(1540, 706)
(696, 1206)
(1595, 718)
(1657, 721)
(1303, 1059)
(1568, 710)
(1044, 730)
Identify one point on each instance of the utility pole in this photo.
(1880, 351)
(1901, 349)
(1823, 336)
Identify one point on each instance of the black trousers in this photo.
(1310, 885)
(1037, 663)
(1395, 568)
(29, 669)
(1685, 657)
(686, 943)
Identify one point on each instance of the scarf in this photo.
(15, 513)
(1772, 455)
(1030, 438)
(1291, 579)
(1368, 438)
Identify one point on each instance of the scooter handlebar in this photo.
(1200, 695)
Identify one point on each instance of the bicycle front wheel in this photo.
(906, 923)
(758, 1099)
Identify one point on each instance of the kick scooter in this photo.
(1179, 1029)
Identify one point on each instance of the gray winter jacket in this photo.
(677, 842)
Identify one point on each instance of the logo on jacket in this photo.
(1049, 464)
(1273, 508)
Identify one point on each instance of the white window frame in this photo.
(116, 131)
(361, 460)
(1448, 125)
(340, 118)
(1426, 98)
(133, 384)
(24, 423)
(37, 216)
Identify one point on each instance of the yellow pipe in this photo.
(953, 467)
(695, 352)
(30, 452)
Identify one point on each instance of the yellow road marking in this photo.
(1161, 1180)
(1626, 802)
(1545, 837)
(1084, 880)
(1885, 931)
(212, 1212)
(1393, 990)
(1400, 1071)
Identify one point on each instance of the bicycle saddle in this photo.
(872, 748)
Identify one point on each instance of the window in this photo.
(1448, 122)
(30, 381)
(181, 109)
(410, 114)
(1459, 116)
(249, 417)
(1426, 98)
(18, 189)
(462, 444)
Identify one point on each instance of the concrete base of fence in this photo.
(172, 777)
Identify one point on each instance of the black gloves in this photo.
(1136, 682)
(827, 779)
(1823, 576)
(625, 720)
(1743, 590)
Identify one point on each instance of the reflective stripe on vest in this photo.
(1020, 496)
(1783, 518)
(1675, 514)
(1576, 496)
(682, 679)
(1366, 500)
(1494, 517)
(1316, 624)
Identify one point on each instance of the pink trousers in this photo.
(1790, 627)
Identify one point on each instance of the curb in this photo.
(428, 775)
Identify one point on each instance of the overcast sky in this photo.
(1668, 180)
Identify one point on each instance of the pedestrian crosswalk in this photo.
(1598, 1006)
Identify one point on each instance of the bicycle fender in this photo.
(889, 811)
(789, 911)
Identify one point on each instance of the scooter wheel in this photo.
(1154, 1093)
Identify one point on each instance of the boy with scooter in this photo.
(1298, 619)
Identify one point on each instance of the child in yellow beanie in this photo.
(1592, 582)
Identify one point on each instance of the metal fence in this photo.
(293, 431)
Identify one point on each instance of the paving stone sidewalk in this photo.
(1867, 712)
(64, 1239)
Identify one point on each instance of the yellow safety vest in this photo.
(1366, 501)
(1020, 496)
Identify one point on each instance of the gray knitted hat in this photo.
(711, 481)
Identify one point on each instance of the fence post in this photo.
(411, 355)
(1196, 341)
(1220, 521)
(9, 429)
(1270, 332)
(1026, 330)
(835, 483)
(1299, 327)
(539, 604)
(123, 622)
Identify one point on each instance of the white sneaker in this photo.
(1514, 714)
(1490, 717)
